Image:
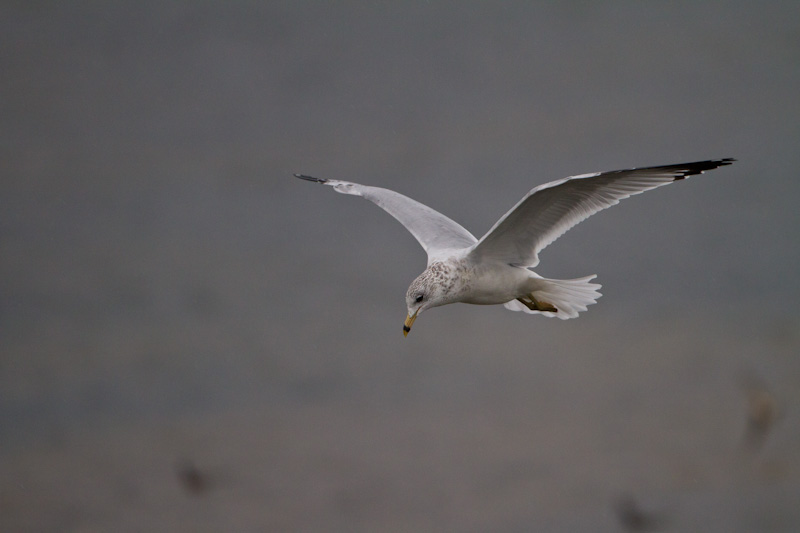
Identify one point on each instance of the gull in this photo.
(498, 267)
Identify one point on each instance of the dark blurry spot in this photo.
(633, 518)
(762, 412)
(192, 479)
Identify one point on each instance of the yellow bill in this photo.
(409, 321)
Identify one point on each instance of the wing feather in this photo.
(434, 231)
(550, 210)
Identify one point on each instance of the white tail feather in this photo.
(569, 296)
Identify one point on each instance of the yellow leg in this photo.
(536, 305)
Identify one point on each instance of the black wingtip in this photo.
(310, 178)
(692, 169)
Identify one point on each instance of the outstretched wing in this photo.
(434, 231)
(549, 210)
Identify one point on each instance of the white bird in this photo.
(498, 268)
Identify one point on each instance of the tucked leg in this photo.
(536, 305)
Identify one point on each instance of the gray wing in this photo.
(434, 231)
(549, 210)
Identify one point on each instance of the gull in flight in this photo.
(498, 267)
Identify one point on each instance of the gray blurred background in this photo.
(193, 340)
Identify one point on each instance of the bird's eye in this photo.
(419, 298)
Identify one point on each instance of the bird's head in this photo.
(428, 290)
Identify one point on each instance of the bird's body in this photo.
(498, 268)
(492, 286)
(462, 280)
